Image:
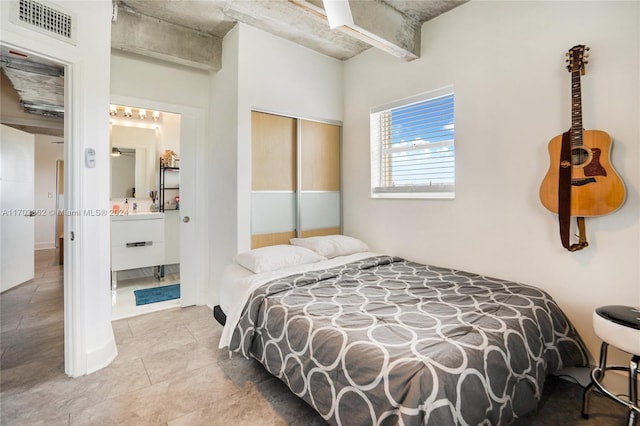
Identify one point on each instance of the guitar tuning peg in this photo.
(586, 55)
(587, 48)
(566, 54)
(586, 62)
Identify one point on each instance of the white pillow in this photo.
(331, 246)
(272, 258)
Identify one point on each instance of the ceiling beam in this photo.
(141, 34)
(12, 113)
(375, 23)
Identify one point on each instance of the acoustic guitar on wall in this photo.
(595, 187)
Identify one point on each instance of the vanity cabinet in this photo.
(137, 241)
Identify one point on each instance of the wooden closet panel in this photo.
(273, 151)
(320, 156)
(276, 238)
(320, 232)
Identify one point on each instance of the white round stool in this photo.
(618, 326)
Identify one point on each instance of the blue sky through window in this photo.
(421, 143)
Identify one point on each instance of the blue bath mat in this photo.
(157, 294)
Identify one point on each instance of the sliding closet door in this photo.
(319, 178)
(288, 154)
(274, 179)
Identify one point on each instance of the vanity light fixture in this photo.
(129, 112)
(115, 152)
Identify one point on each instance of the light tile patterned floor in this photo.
(168, 371)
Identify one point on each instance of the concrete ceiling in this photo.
(31, 92)
(190, 33)
(391, 25)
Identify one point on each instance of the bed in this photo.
(371, 339)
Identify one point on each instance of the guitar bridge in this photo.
(581, 182)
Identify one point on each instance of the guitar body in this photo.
(596, 188)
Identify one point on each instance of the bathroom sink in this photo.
(138, 216)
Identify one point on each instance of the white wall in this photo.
(222, 155)
(146, 78)
(46, 155)
(506, 62)
(89, 341)
(170, 134)
(270, 74)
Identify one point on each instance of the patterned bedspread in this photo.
(388, 341)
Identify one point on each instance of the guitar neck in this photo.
(576, 109)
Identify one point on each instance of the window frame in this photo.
(380, 143)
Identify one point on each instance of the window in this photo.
(412, 149)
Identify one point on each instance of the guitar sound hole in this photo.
(579, 156)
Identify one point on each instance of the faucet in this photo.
(135, 207)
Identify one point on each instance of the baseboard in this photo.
(45, 245)
(102, 357)
(617, 382)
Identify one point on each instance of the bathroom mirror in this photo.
(135, 166)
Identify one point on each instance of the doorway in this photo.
(191, 213)
(145, 201)
(33, 105)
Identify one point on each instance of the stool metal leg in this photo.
(599, 373)
(633, 390)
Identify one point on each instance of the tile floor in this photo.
(169, 371)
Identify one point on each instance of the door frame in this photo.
(74, 318)
(192, 127)
(75, 360)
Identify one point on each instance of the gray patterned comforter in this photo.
(389, 341)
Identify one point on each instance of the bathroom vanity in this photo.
(137, 241)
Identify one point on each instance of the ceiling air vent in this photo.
(45, 18)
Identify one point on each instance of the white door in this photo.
(189, 222)
(16, 207)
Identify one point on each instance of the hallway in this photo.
(32, 317)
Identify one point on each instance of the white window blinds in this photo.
(412, 147)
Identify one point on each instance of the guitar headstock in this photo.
(576, 58)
